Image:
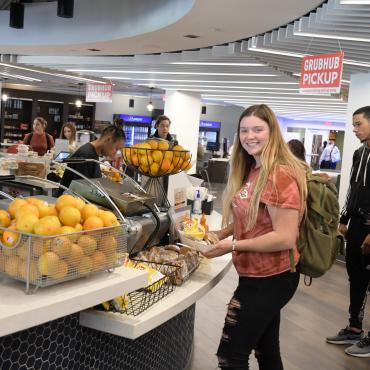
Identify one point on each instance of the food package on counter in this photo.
(194, 233)
(185, 258)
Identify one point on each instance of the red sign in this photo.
(99, 93)
(321, 73)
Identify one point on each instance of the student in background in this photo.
(162, 125)
(39, 140)
(356, 213)
(68, 132)
(266, 191)
(330, 156)
(298, 149)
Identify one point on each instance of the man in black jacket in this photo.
(356, 212)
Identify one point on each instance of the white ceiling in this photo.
(220, 23)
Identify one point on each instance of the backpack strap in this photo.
(29, 138)
(48, 142)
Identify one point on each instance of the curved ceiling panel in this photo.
(129, 27)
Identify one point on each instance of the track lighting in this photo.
(150, 106)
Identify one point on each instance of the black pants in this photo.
(253, 321)
(356, 264)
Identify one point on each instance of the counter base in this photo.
(64, 344)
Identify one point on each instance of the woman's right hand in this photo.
(342, 229)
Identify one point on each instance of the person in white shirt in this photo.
(330, 156)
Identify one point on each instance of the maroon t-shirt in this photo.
(39, 142)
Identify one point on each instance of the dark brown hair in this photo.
(72, 127)
(160, 119)
(297, 148)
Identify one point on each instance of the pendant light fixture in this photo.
(150, 106)
(78, 102)
(4, 96)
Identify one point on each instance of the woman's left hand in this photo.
(222, 247)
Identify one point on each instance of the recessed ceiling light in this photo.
(92, 49)
(191, 36)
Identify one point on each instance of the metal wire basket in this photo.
(41, 261)
(140, 300)
(156, 162)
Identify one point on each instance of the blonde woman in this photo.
(265, 197)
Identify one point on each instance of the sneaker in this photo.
(345, 336)
(360, 349)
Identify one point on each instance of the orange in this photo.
(39, 246)
(52, 210)
(185, 165)
(70, 216)
(165, 166)
(69, 230)
(163, 145)
(144, 169)
(61, 245)
(177, 149)
(10, 238)
(61, 272)
(108, 218)
(14, 205)
(48, 263)
(89, 210)
(47, 226)
(93, 222)
(172, 168)
(75, 256)
(5, 218)
(33, 201)
(43, 208)
(12, 265)
(34, 273)
(79, 204)
(127, 155)
(157, 156)
(187, 155)
(26, 223)
(108, 245)
(135, 160)
(88, 244)
(188, 167)
(154, 168)
(143, 148)
(64, 201)
(85, 266)
(27, 209)
(168, 155)
(99, 260)
(153, 143)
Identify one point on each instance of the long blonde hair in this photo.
(276, 152)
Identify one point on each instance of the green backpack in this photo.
(319, 241)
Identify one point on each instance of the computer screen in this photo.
(211, 136)
(62, 155)
(213, 147)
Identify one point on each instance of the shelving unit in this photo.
(17, 118)
(82, 117)
(52, 111)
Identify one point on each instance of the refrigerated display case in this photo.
(137, 128)
(210, 130)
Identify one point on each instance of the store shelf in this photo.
(19, 311)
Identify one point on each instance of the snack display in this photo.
(155, 157)
(43, 244)
(184, 257)
(160, 284)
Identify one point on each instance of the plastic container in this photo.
(197, 205)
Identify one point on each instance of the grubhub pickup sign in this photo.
(321, 73)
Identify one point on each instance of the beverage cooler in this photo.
(137, 128)
(210, 130)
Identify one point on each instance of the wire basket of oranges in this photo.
(156, 157)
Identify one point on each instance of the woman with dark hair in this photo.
(39, 140)
(110, 141)
(68, 132)
(162, 125)
(298, 149)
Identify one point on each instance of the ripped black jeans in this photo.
(253, 321)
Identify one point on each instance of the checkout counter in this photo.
(58, 328)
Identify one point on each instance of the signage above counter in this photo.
(132, 118)
(209, 124)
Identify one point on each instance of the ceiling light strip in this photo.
(221, 64)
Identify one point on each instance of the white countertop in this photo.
(209, 273)
(19, 311)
